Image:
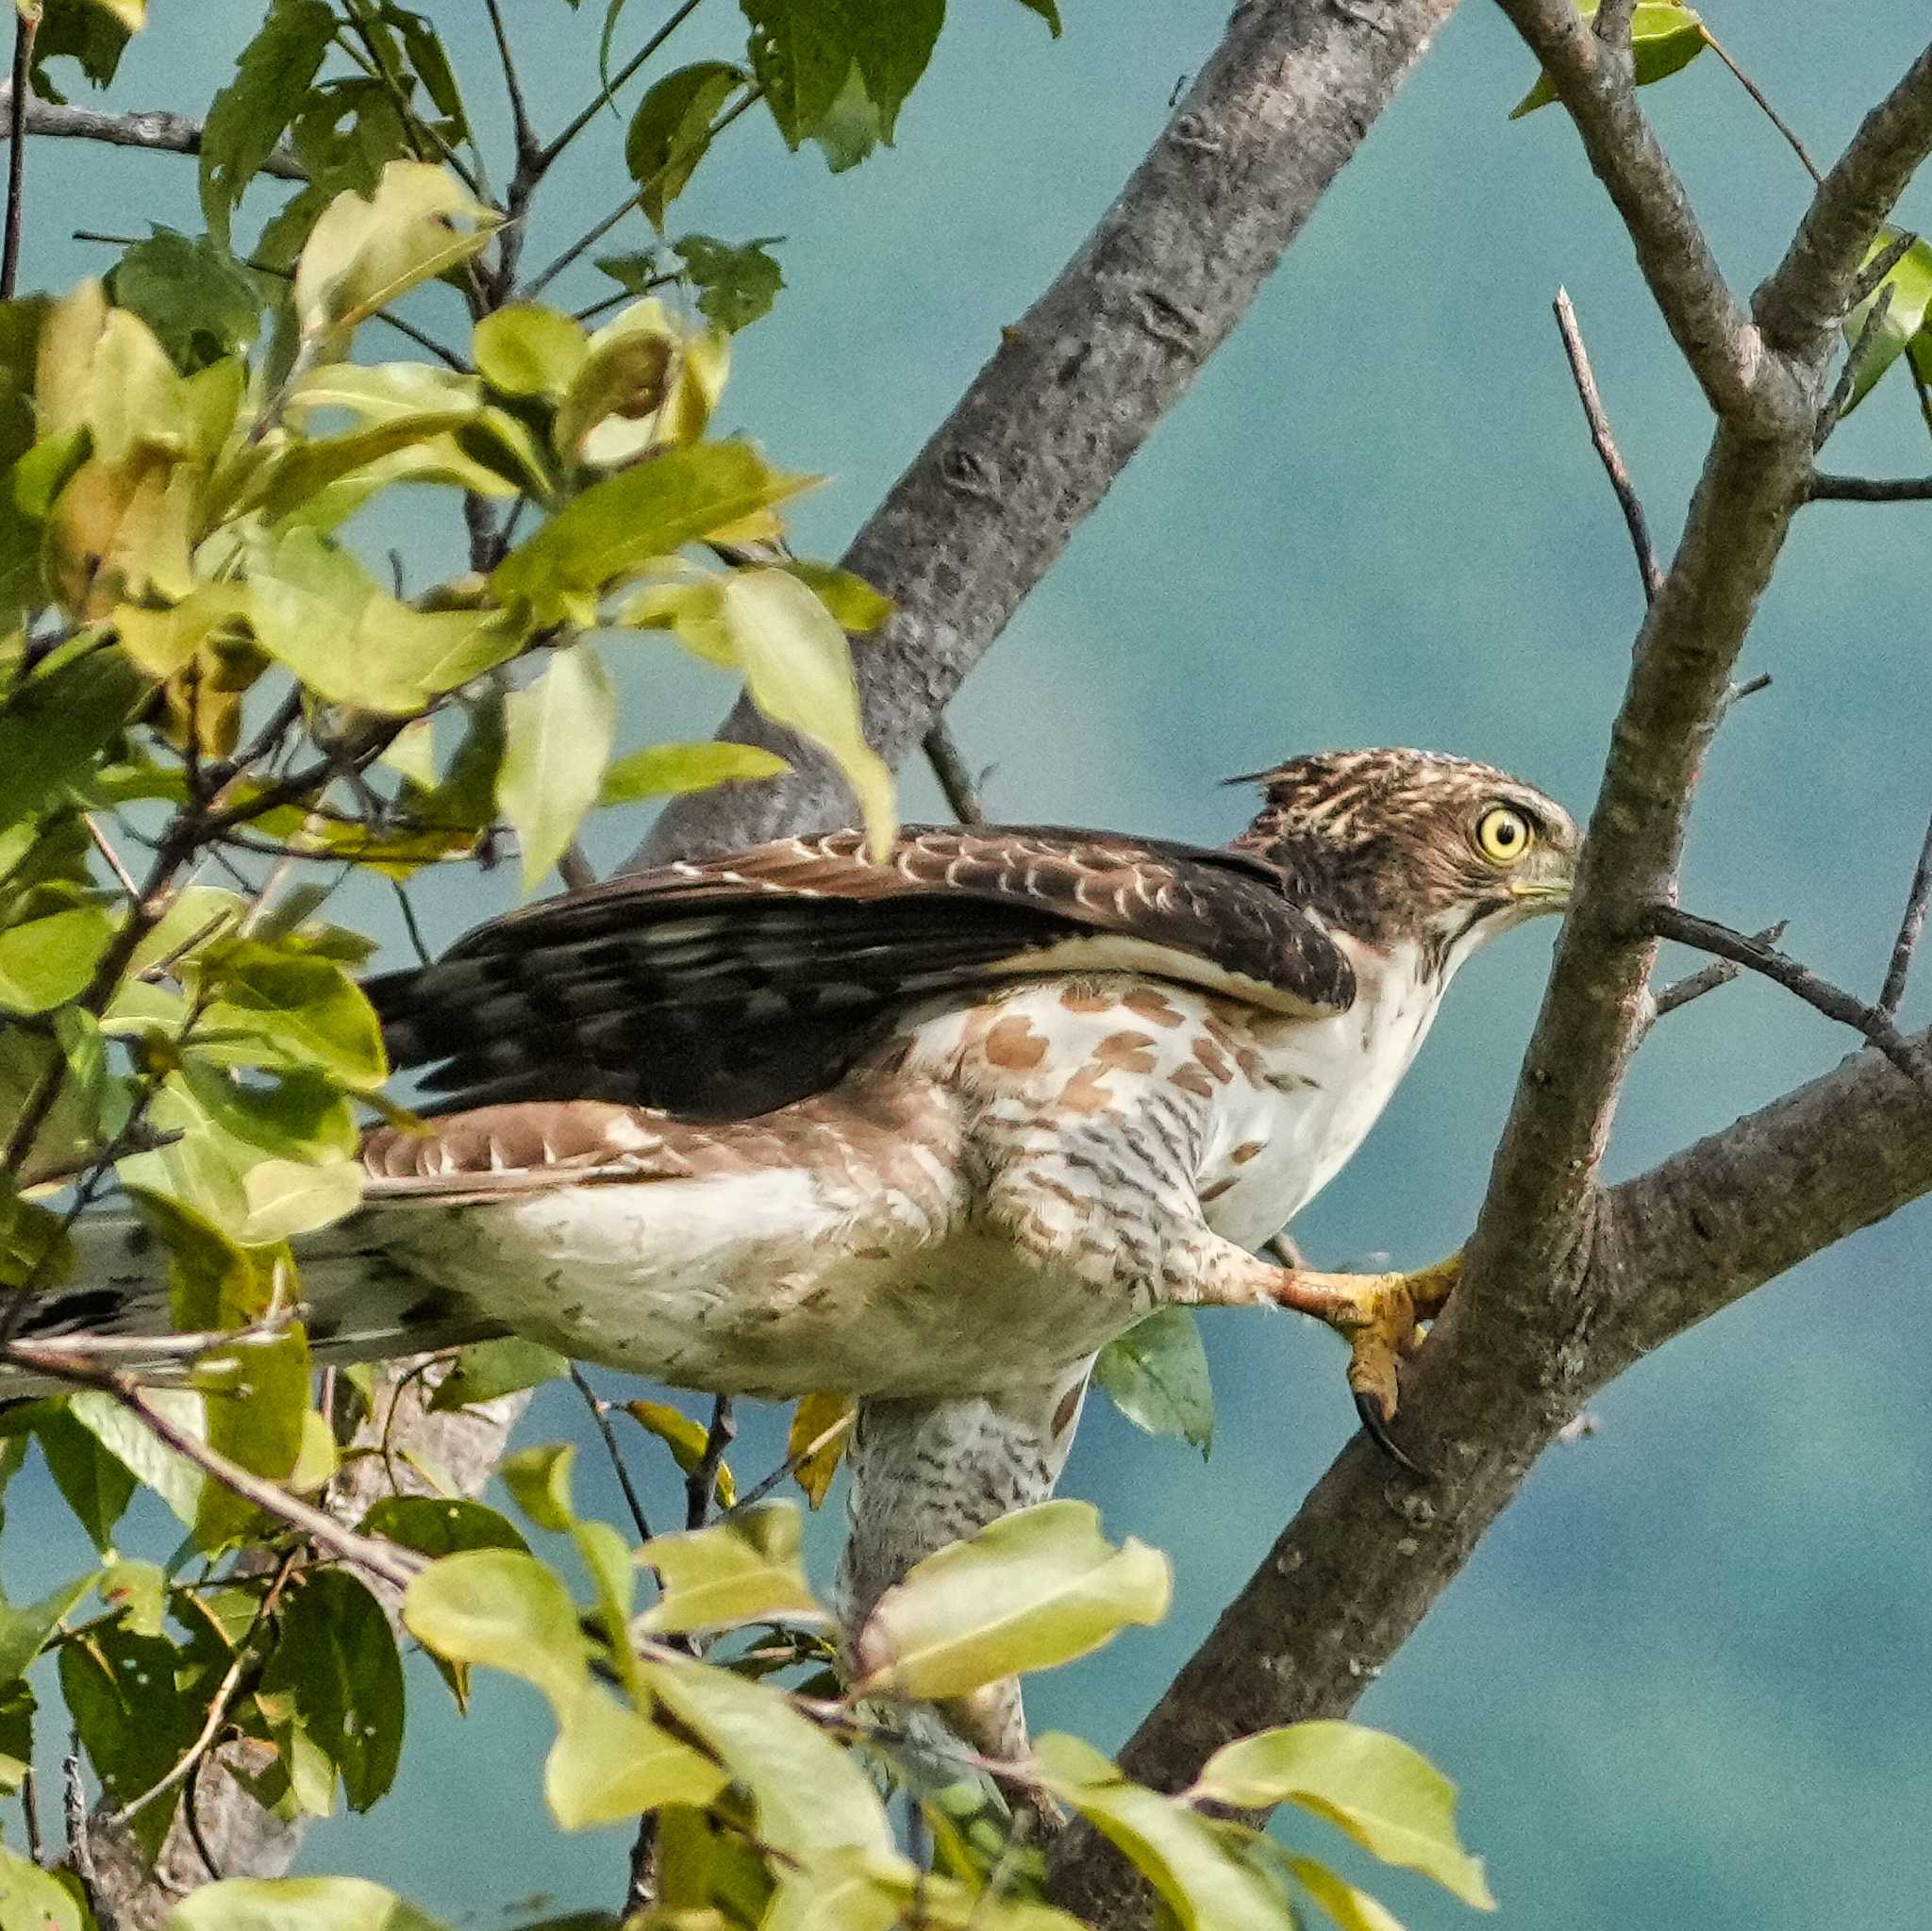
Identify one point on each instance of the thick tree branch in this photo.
(1371, 1550)
(164, 133)
(1079, 381)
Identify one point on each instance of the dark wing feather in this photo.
(724, 987)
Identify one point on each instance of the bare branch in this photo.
(1799, 306)
(1911, 928)
(27, 24)
(1670, 921)
(1693, 986)
(1606, 445)
(1718, 339)
(1077, 385)
(1829, 488)
(160, 132)
(955, 781)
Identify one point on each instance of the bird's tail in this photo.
(113, 1306)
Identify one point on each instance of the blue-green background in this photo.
(1685, 1681)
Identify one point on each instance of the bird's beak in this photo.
(1546, 888)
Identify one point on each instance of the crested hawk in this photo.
(930, 1131)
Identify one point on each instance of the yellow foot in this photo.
(1378, 1315)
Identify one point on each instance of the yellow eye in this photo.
(1503, 835)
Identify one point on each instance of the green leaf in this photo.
(670, 128)
(1910, 282)
(810, 1794)
(317, 610)
(297, 1903)
(486, 1369)
(273, 77)
(1034, 1589)
(361, 255)
(1386, 1796)
(737, 284)
(559, 735)
(48, 961)
(1663, 38)
(52, 724)
(297, 473)
(857, 606)
(24, 1632)
(539, 1478)
(745, 1569)
(335, 1674)
(36, 1900)
(94, 1482)
(272, 1007)
(441, 1524)
(201, 307)
(609, 1764)
(619, 524)
(93, 32)
(504, 1609)
(661, 769)
(1205, 1886)
(174, 1479)
(140, 1591)
(139, 1702)
(797, 670)
(1157, 1375)
(528, 349)
(17, 1706)
(804, 53)
(1049, 11)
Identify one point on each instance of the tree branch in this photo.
(1077, 384)
(1830, 489)
(151, 129)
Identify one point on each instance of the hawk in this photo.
(928, 1131)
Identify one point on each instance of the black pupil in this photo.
(1506, 831)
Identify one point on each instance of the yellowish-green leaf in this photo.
(24, 1632)
(297, 1903)
(1386, 1795)
(1157, 1375)
(317, 610)
(820, 1427)
(623, 384)
(797, 670)
(1034, 1589)
(539, 1478)
(271, 1008)
(174, 1479)
(857, 606)
(686, 1438)
(745, 1570)
(1205, 1886)
(290, 1198)
(136, 401)
(361, 255)
(486, 1370)
(165, 639)
(810, 1794)
(502, 1609)
(1352, 1908)
(529, 350)
(36, 1900)
(557, 740)
(650, 510)
(47, 961)
(1664, 36)
(1910, 282)
(609, 1764)
(659, 770)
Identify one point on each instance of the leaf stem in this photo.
(576, 126)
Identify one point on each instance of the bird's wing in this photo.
(724, 987)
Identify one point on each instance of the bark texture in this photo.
(1077, 384)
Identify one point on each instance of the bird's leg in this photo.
(1377, 1314)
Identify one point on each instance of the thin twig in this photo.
(80, 1842)
(1670, 921)
(1606, 445)
(580, 122)
(1768, 112)
(600, 1413)
(792, 1464)
(410, 925)
(586, 242)
(1874, 272)
(27, 24)
(575, 868)
(1720, 971)
(525, 135)
(955, 781)
(1832, 489)
(1737, 693)
(1910, 927)
(30, 1816)
(1862, 348)
(702, 1481)
(150, 129)
(387, 1562)
(110, 855)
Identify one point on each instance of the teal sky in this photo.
(1685, 1681)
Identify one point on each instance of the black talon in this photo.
(1376, 1428)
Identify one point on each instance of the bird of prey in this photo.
(928, 1131)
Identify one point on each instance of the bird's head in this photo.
(1393, 845)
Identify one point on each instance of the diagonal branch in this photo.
(1081, 380)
